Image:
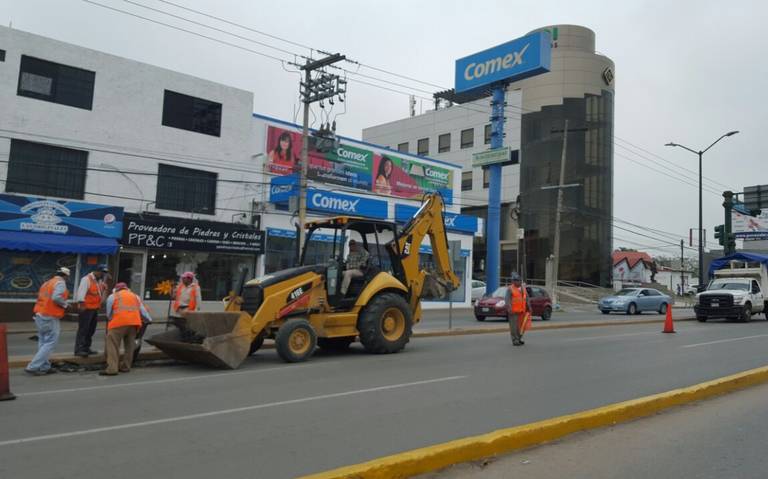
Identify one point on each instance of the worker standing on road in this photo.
(187, 296)
(90, 296)
(125, 315)
(518, 310)
(50, 307)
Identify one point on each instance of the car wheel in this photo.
(546, 315)
(605, 311)
(746, 314)
(479, 318)
(632, 309)
(701, 319)
(663, 308)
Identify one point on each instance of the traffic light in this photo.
(720, 234)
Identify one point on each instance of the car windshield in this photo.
(500, 292)
(626, 292)
(730, 285)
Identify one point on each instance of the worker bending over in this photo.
(125, 313)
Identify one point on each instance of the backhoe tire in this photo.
(295, 340)
(257, 343)
(385, 325)
(335, 344)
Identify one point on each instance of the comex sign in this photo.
(511, 61)
(321, 200)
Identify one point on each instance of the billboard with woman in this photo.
(408, 178)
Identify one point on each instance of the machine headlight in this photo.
(501, 304)
(739, 299)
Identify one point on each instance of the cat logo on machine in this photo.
(407, 247)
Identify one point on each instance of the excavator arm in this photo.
(428, 221)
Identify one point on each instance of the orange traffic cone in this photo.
(669, 326)
(5, 387)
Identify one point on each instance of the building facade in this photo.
(580, 88)
(108, 160)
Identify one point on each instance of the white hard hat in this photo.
(63, 270)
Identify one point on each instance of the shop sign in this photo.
(281, 188)
(291, 234)
(749, 227)
(511, 61)
(59, 217)
(185, 234)
(426, 249)
(490, 157)
(453, 221)
(330, 202)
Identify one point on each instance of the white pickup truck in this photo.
(736, 293)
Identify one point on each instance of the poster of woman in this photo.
(383, 183)
(406, 178)
(283, 149)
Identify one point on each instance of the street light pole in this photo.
(700, 154)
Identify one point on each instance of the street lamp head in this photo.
(731, 133)
(671, 144)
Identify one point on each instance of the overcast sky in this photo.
(686, 71)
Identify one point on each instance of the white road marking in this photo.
(613, 336)
(171, 380)
(724, 341)
(221, 412)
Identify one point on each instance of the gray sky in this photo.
(686, 71)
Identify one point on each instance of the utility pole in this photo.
(558, 212)
(682, 261)
(313, 90)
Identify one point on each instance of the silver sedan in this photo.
(635, 301)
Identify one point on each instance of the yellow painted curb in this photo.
(439, 456)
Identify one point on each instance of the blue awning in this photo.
(52, 243)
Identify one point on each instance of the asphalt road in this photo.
(713, 439)
(276, 420)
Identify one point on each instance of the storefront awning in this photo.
(53, 243)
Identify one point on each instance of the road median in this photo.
(440, 456)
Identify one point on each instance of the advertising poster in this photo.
(749, 227)
(406, 178)
(344, 166)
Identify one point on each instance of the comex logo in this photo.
(334, 203)
(478, 70)
(45, 218)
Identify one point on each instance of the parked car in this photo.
(635, 301)
(478, 290)
(496, 306)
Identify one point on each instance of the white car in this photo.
(478, 290)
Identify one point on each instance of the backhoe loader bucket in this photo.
(220, 340)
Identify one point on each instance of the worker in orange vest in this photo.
(89, 297)
(187, 296)
(125, 315)
(50, 307)
(518, 310)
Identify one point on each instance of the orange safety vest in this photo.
(192, 306)
(45, 305)
(519, 299)
(93, 295)
(126, 310)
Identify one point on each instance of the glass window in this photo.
(2, 55)
(22, 273)
(444, 143)
(487, 135)
(459, 268)
(191, 113)
(185, 189)
(422, 147)
(486, 178)
(466, 180)
(56, 83)
(402, 147)
(280, 254)
(39, 169)
(217, 273)
(468, 138)
(755, 287)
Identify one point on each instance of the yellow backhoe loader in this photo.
(303, 307)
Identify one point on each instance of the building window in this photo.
(422, 147)
(184, 189)
(2, 55)
(192, 114)
(487, 135)
(402, 147)
(466, 180)
(56, 83)
(468, 138)
(444, 143)
(46, 170)
(486, 178)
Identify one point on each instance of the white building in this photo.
(108, 160)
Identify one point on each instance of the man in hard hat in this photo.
(125, 315)
(50, 307)
(89, 297)
(518, 310)
(186, 297)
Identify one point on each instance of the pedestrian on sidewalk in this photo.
(125, 314)
(90, 296)
(518, 310)
(186, 297)
(50, 307)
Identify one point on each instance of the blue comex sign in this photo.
(511, 61)
(281, 188)
(27, 214)
(453, 221)
(337, 203)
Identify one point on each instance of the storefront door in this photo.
(132, 270)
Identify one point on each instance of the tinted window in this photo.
(184, 189)
(486, 178)
(444, 143)
(56, 83)
(466, 180)
(403, 147)
(653, 292)
(468, 138)
(46, 170)
(422, 147)
(190, 113)
(755, 287)
(487, 135)
(2, 55)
